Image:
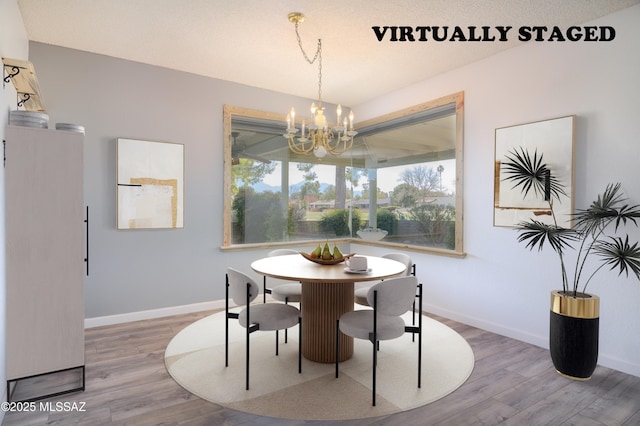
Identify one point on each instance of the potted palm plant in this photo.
(597, 230)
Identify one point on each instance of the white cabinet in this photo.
(45, 245)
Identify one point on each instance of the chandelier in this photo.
(318, 137)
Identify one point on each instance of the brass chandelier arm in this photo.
(320, 138)
(304, 146)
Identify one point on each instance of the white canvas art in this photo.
(554, 140)
(150, 184)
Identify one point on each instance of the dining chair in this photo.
(242, 289)
(390, 299)
(360, 293)
(289, 292)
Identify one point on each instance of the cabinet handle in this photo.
(86, 220)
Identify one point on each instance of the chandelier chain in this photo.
(317, 55)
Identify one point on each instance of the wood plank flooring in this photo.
(513, 383)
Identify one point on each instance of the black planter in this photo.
(573, 334)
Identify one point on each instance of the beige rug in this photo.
(195, 359)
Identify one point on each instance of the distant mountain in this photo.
(296, 187)
(263, 187)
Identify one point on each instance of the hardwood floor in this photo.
(513, 383)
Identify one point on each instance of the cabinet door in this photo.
(45, 251)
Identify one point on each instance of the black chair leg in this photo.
(413, 322)
(374, 340)
(226, 322)
(286, 339)
(226, 340)
(420, 336)
(226, 326)
(247, 361)
(413, 336)
(248, 331)
(277, 339)
(375, 365)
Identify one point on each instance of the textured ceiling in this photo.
(252, 42)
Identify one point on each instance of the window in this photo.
(403, 178)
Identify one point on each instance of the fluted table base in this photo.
(322, 305)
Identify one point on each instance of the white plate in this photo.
(351, 271)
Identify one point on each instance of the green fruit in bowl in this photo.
(326, 252)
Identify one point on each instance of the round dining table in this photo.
(327, 293)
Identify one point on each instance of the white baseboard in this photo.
(604, 360)
(619, 364)
(541, 341)
(153, 313)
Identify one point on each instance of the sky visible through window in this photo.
(388, 178)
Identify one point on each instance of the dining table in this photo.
(327, 293)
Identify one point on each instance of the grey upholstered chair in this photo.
(242, 289)
(390, 299)
(289, 292)
(360, 293)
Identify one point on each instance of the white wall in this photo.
(500, 285)
(13, 44)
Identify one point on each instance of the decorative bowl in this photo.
(372, 234)
(326, 262)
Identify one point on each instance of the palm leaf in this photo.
(620, 255)
(605, 209)
(531, 174)
(536, 234)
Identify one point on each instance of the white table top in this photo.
(294, 267)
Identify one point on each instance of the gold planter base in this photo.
(582, 379)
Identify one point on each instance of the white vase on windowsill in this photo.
(371, 234)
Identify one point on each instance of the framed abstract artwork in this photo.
(552, 140)
(150, 180)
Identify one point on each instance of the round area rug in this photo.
(195, 360)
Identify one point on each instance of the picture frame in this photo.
(554, 139)
(150, 184)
